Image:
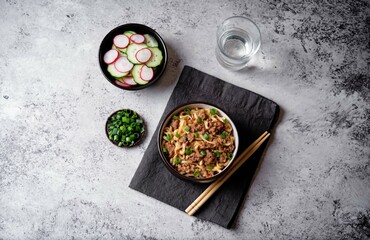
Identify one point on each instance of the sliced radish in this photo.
(122, 64)
(146, 73)
(129, 80)
(111, 56)
(143, 55)
(121, 41)
(137, 38)
(125, 85)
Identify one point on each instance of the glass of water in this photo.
(238, 39)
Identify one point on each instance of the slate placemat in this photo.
(252, 115)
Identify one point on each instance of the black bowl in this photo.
(165, 158)
(137, 141)
(107, 43)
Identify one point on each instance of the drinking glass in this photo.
(238, 40)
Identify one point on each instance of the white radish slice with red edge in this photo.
(146, 73)
(110, 56)
(137, 38)
(122, 64)
(121, 41)
(129, 80)
(125, 85)
(143, 55)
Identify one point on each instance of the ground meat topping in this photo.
(223, 157)
(190, 137)
(170, 148)
(175, 124)
(209, 158)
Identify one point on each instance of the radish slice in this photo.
(123, 64)
(146, 73)
(111, 56)
(137, 38)
(143, 55)
(125, 85)
(121, 41)
(129, 80)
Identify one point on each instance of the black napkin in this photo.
(252, 115)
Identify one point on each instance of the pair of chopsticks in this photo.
(218, 183)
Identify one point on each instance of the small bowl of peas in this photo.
(125, 128)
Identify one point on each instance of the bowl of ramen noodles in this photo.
(198, 142)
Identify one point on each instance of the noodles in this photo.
(199, 142)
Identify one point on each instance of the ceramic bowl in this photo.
(166, 158)
(107, 43)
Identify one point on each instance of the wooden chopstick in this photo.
(218, 183)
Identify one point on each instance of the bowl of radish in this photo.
(132, 56)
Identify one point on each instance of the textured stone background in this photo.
(60, 178)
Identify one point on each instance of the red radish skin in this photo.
(125, 85)
(143, 55)
(129, 80)
(137, 38)
(121, 41)
(146, 73)
(123, 65)
(111, 56)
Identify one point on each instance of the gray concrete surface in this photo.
(61, 179)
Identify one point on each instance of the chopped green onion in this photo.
(196, 134)
(177, 161)
(210, 167)
(217, 154)
(206, 136)
(187, 111)
(115, 131)
(226, 121)
(196, 173)
(223, 135)
(168, 137)
(199, 120)
(125, 120)
(229, 156)
(187, 128)
(164, 150)
(213, 111)
(203, 153)
(188, 151)
(177, 135)
(175, 117)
